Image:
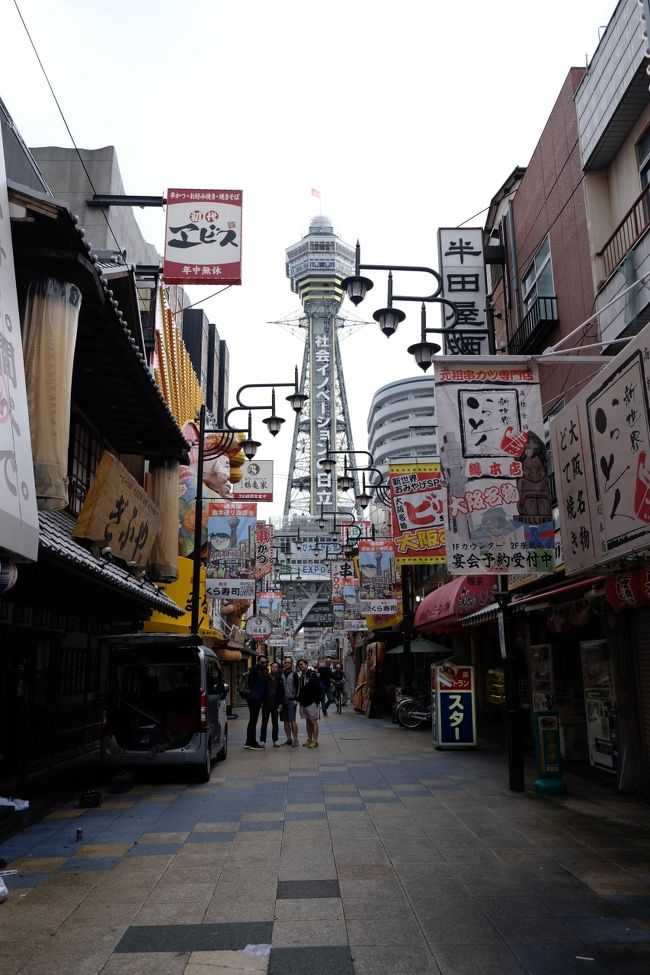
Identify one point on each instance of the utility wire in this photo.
(66, 124)
(213, 295)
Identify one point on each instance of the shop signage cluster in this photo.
(18, 514)
(417, 507)
(462, 268)
(601, 451)
(498, 510)
(203, 237)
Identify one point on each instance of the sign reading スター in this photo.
(601, 450)
(203, 237)
(495, 468)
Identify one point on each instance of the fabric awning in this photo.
(423, 646)
(485, 615)
(442, 609)
(556, 590)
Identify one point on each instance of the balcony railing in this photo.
(540, 319)
(630, 229)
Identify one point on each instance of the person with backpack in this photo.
(291, 681)
(257, 678)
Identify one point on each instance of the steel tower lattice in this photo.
(316, 265)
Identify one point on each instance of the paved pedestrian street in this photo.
(371, 854)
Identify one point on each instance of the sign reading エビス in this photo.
(203, 237)
(601, 451)
(495, 469)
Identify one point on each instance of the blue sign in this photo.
(454, 714)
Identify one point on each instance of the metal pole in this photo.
(514, 731)
(198, 525)
(407, 623)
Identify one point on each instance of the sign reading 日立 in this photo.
(601, 450)
(18, 514)
(203, 237)
(499, 516)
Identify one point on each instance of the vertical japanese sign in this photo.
(498, 513)
(378, 578)
(322, 369)
(203, 237)
(462, 268)
(601, 449)
(18, 514)
(417, 506)
(454, 706)
(264, 534)
(339, 572)
(230, 569)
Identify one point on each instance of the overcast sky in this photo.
(405, 116)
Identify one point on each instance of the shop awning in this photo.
(559, 589)
(442, 609)
(423, 646)
(485, 615)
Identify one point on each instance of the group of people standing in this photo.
(283, 693)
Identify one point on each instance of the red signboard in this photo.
(203, 237)
(417, 513)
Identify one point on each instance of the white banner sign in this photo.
(498, 513)
(462, 267)
(601, 453)
(256, 483)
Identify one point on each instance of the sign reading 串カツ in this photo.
(203, 237)
(499, 515)
(462, 268)
(601, 450)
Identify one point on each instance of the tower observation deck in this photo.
(316, 266)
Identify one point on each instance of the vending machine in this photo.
(600, 705)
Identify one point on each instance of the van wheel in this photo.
(203, 771)
(223, 751)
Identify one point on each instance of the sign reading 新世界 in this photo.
(462, 269)
(499, 516)
(203, 237)
(601, 452)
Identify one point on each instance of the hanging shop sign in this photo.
(118, 513)
(231, 550)
(462, 268)
(269, 603)
(601, 451)
(258, 627)
(377, 578)
(417, 506)
(18, 514)
(340, 571)
(256, 483)
(628, 590)
(203, 237)
(264, 534)
(454, 706)
(498, 510)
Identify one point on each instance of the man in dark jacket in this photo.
(257, 677)
(309, 697)
(271, 704)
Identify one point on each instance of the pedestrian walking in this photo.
(291, 681)
(257, 677)
(272, 704)
(339, 683)
(309, 698)
(327, 691)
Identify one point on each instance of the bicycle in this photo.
(412, 712)
(338, 697)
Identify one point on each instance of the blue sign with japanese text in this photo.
(454, 712)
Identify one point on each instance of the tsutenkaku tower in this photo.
(316, 265)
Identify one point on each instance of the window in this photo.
(643, 157)
(85, 455)
(537, 282)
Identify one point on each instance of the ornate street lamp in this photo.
(389, 318)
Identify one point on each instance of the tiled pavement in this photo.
(371, 854)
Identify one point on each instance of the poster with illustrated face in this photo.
(495, 468)
(601, 444)
(231, 564)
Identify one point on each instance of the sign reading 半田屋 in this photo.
(499, 516)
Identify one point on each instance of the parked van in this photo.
(164, 703)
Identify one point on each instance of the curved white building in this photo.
(402, 422)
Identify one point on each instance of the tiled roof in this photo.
(56, 538)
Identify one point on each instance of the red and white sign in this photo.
(417, 501)
(203, 237)
(256, 483)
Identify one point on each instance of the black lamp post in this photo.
(296, 400)
(389, 318)
(345, 481)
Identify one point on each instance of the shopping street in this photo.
(373, 853)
